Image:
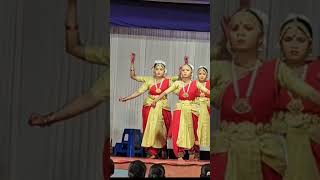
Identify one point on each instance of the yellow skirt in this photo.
(203, 130)
(299, 128)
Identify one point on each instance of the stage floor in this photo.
(173, 167)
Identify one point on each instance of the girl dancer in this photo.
(245, 91)
(156, 120)
(299, 119)
(203, 100)
(185, 121)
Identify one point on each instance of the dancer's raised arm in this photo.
(95, 55)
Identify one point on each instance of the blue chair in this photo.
(131, 145)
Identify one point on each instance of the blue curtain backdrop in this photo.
(156, 15)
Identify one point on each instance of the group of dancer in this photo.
(269, 124)
(189, 126)
(269, 109)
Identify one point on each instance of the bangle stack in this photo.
(48, 120)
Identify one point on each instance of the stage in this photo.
(173, 167)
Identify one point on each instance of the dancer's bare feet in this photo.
(164, 155)
(191, 157)
(180, 159)
(152, 157)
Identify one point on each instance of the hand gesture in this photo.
(122, 99)
(39, 120)
(153, 104)
(132, 58)
(186, 59)
(225, 26)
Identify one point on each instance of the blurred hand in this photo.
(39, 120)
(122, 99)
(225, 26)
(132, 58)
(186, 59)
(153, 104)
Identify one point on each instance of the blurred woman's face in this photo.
(186, 71)
(295, 45)
(244, 32)
(202, 75)
(159, 70)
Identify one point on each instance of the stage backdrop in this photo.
(149, 45)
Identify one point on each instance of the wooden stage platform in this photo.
(173, 167)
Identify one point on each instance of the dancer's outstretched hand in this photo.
(132, 58)
(39, 120)
(122, 99)
(186, 59)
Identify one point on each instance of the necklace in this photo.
(242, 105)
(158, 89)
(186, 93)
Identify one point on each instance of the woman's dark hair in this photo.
(156, 64)
(300, 20)
(205, 170)
(203, 68)
(157, 171)
(187, 65)
(137, 169)
(255, 15)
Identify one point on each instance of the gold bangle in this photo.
(50, 118)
